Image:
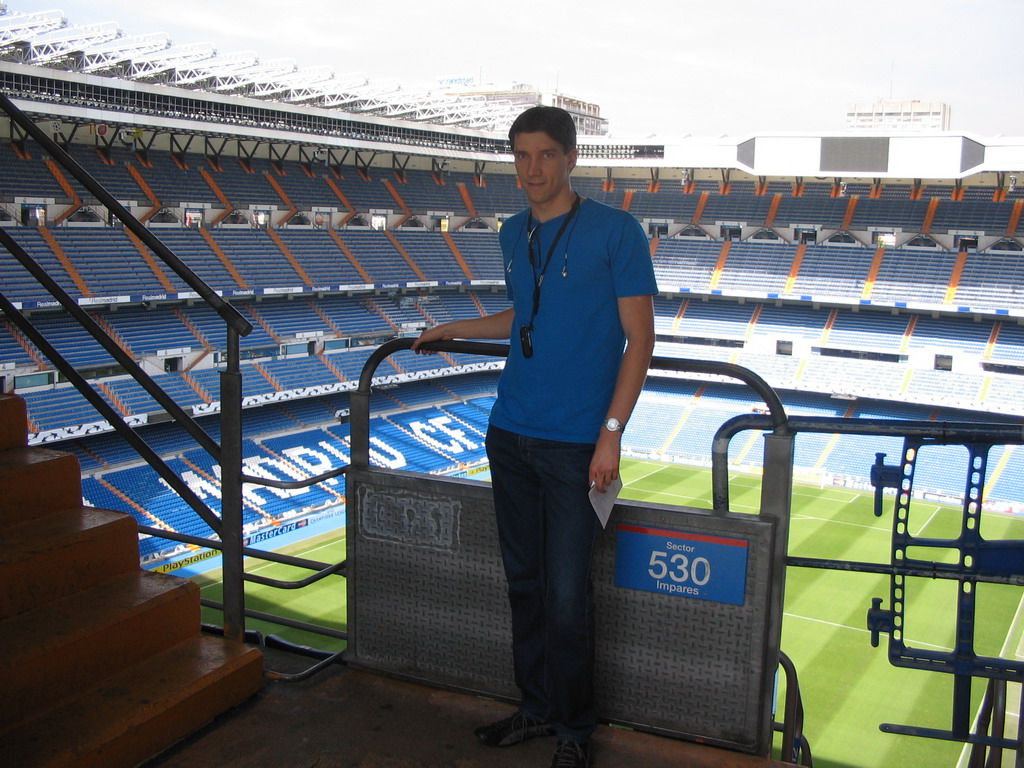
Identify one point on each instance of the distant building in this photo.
(586, 115)
(898, 116)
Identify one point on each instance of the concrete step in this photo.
(35, 482)
(89, 545)
(140, 710)
(56, 649)
(101, 662)
(13, 422)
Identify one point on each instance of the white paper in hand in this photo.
(603, 502)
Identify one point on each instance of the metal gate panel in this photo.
(426, 587)
(427, 601)
(679, 665)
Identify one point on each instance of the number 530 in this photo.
(679, 568)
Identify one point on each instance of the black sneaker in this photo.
(514, 729)
(571, 754)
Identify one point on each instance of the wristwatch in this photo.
(613, 425)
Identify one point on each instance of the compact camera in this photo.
(526, 340)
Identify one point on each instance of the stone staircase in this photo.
(101, 662)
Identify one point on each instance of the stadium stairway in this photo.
(102, 664)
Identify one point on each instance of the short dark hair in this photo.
(554, 121)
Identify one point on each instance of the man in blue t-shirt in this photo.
(581, 328)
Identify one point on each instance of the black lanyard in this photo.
(538, 280)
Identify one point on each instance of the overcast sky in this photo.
(666, 68)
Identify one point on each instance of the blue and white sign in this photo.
(694, 565)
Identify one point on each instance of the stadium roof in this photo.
(47, 38)
(97, 75)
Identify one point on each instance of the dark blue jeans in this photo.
(547, 530)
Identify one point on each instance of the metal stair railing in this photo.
(228, 453)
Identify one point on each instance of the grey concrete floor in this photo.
(347, 718)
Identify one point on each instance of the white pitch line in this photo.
(271, 563)
(859, 629)
(877, 528)
(305, 553)
(935, 511)
(653, 470)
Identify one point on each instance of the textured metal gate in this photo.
(427, 591)
(427, 596)
(427, 601)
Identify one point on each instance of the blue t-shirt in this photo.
(562, 392)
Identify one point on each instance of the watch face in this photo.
(612, 425)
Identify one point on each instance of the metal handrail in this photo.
(360, 398)
(228, 453)
(939, 431)
(228, 313)
(794, 743)
(110, 414)
(124, 360)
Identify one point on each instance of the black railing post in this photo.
(359, 424)
(231, 491)
(776, 505)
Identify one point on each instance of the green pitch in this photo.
(848, 687)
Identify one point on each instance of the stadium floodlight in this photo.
(18, 27)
